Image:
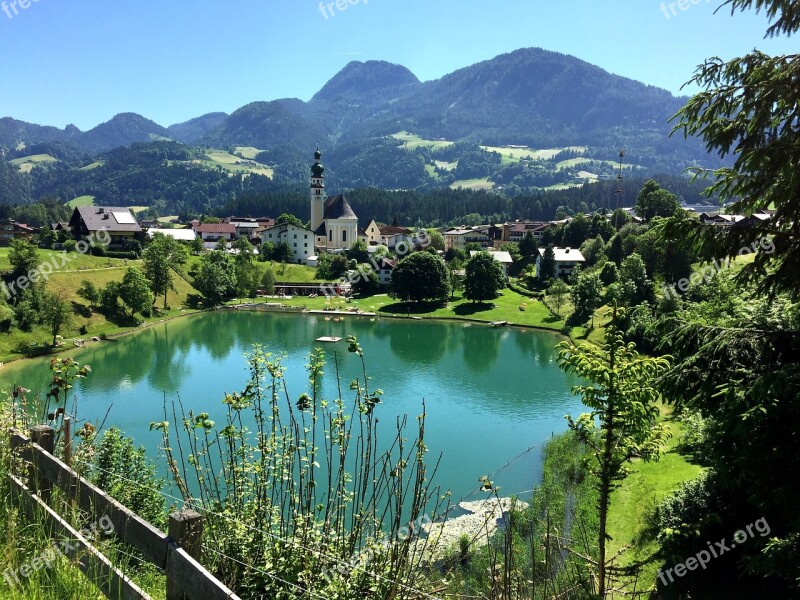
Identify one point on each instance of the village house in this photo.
(213, 232)
(516, 231)
(11, 230)
(118, 223)
(504, 258)
(299, 239)
(566, 261)
(180, 235)
(385, 269)
(371, 234)
(459, 238)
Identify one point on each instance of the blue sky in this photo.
(83, 61)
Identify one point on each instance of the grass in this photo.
(27, 163)
(227, 161)
(447, 166)
(505, 308)
(412, 142)
(66, 279)
(248, 151)
(633, 503)
(94, 165)
(472, 184)
(81, 201)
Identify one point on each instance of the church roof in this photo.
(337, 207)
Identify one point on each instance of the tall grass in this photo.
(301, 494)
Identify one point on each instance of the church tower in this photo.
(317, 192)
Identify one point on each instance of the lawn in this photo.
(27, 163)
(412, 142)
(94, 165)
(67, 282)
(248, 151)
(227, 161)
(81, 201)
(510, 306)
(633, 503)
(473, 184)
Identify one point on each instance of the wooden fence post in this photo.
(68, 441)
(44, 436)
(186, 530)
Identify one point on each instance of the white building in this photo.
(459, 238)
(181, 235)
(333, 221)
(504, 258)
(566, 261)
(300, 240)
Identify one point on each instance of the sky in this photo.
(83, 61)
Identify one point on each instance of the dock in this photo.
(499, 323)
(329, 339)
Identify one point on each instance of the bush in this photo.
(121, 255)
(683, 518)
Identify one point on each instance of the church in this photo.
(333, 221)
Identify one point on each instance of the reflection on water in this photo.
(490, 393)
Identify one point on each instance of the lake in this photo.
(491, 393)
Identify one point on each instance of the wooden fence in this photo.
(176, 554)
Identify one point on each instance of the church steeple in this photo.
(317, 191)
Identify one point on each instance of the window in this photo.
(344, 235)
(295, 244)
(330, 235)
(295, 236)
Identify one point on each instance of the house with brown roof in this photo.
(213, 232)
(11, 230)
(118, 223)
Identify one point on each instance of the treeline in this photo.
(445, 206)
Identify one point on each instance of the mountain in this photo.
(195, 129)
(373, 79)
(122, 130)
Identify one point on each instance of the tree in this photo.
(288, 218)
(592, 250)
(268, 281)
(89, 292)
(615, 250)
(282, 253)
(435, 238)
(420, 277)
(609, 274)
(24, 257)
(366, 283)
(655, 201)
(547, 269)
(454, 254)
(558, 292)
(528, 245)
(160, 259)
(216, 278)
(247, 279)
(484, 278)
(748, 109)
(634, 279)
(622, 396)
(359, 252)
(331, 266)
(109, 298)
(56, 313)
(221, 245)
(244, 250)
(134, 290)
(587, 294)
(197, 245)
